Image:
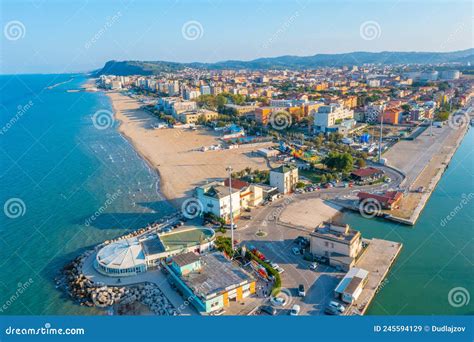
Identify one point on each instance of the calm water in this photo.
(435, 258)
(64, 169)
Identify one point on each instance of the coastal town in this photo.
(259, 166)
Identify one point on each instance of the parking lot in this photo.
(276, 241)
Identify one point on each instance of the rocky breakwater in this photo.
(87, 293)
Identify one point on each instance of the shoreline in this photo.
(174, 153)
(423, 201)
(147, 160)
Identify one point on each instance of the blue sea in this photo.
(66, 185)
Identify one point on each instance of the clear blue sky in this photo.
(68, 36)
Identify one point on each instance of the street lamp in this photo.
(229, 169)
(380, 139)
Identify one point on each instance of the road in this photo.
(276, 240)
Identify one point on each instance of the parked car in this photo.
(295, 310)
(329, 310)
(279, 269)
(296, 251)
(321, 259)
(301, 240)
(336, 306)
(278, 301)
(301, 290)
(268, 309)
(313, 266)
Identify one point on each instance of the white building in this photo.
(373, 83)
(284, 178)
(183, 106)
(351, 286)
(450, 75)
(331, 115)
(216, 199)
(173, 88)
(373, 111)
(190, 94)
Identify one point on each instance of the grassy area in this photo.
(311, 175)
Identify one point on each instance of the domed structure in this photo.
(121, 258)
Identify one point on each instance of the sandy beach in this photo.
(173, 152)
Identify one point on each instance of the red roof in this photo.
(388, 197)
(236, 183)
(369, 171)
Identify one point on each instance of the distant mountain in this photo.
(291, 62)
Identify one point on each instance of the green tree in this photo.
(342, 162)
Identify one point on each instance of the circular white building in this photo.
(121, 258)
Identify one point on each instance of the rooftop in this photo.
(236, 183)
(369, 171)
(343, 234)
(122, 254)
(352, 280)
(219, 191)
(217, 274)
(388, 197)
(185, 259)
(152, 245)
(185, 237)
(284, 168)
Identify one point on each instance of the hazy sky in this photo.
(41, 36)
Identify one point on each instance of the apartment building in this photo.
(339, 243)
(331, 115)
(217, 199)
(284, 178)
